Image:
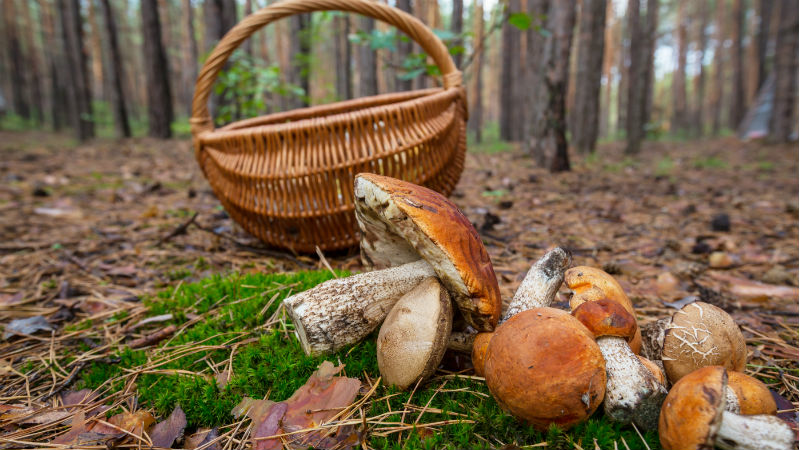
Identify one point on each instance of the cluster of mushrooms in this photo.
(542, 365)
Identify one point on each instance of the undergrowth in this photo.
(228, 314)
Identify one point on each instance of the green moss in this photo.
(272, 364)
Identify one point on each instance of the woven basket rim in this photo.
(337, 113)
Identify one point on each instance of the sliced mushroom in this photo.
(633, 393)
(693, 417)
(427, 236)
(413, 338)
(544, 367)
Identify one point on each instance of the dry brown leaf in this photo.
(165, 433)
(132, 422)
(202, 437)
(755, 291)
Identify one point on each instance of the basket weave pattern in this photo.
(287, 178)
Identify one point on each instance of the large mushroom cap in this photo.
(544, 367)
(692, 411)
(753, 395)
(413, 338)
(702, 335)
(402, 222)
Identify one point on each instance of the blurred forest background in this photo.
(543, 73)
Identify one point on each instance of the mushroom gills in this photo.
(413, 338)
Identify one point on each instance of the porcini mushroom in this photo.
(697, 335)
(693, 417)
(537, 290)
(633, 393)
(410, 233)
(750, 395)
(413, 338)
(544, 367)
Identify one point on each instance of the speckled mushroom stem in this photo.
(341, 312)
(632, 392)
(762, 432)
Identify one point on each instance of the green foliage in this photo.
(709, 162)
(665, 166)
(14, 122)
(491, 142)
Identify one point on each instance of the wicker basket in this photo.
(287, 178)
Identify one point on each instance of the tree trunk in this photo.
(190, 54)
(591, 41)
(299, 50)
(624, 62)
(530, 94)
(403, 48)
(719, 67)
(57, 96)
(651, 29)
(457, 27)
(765, 8)
(679, 77)
(476, 112)
(159, 104)
(509, 77)
(247, 45)
(700, 90)
(785, 73)
(343, 49)
(35, 83)
(368, 67)
(636, 72)
(16, 61)
(80, 97)
(739, 106)
(115, 72)
(609, 57)
(96, 58)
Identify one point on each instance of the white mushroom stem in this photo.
(761, 432)
(732, 401)
(632, 392)
(341, 312)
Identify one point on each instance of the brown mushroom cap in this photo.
(753, 395)
(692, 411)
(654, 369)
(702, 335)
(402, 222)
(479, 349)
(413, 338)
(544, 367)
(606, 317)
(592, 284)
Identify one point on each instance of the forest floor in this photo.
(95, 238)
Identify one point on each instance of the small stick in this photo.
(153, 338)
(180, 229)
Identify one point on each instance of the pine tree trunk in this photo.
(700, 91)
(651, 28)
(719, 67)
(191, 57)
(786, 49)
(247, 45)
(32, 54)
(343, 49)
(679, 77)
(403, 48)
(624, 63)
(739, 107)
(159, 103)
(368, 65)
(115, 72)
(591, 41)
(635, 127)
(609, 57)
(476, 112)
(96, 58)
(457, 27)
(80, 97)
(765, 8)
(508, 75)
(16, 61)
(532, 91)
(57, 96)
(299, 50)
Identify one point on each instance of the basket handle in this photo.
(201, 119)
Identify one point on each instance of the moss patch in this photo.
(227, 316)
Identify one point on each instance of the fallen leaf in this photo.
(78, 427)
(28, 325)
(132, 422)
(165, 433)
(755, 291)
(222, 379)
(8, 299)
(25, 415)
(83, 397)
(201, 438)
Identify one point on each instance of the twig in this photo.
(325, 262)
(153, 338)
(180, 229)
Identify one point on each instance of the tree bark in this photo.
(368, 67)
(765, 8)
(624, 63)
(190, 54)
(651, 29)
(719, 67)
(509, 77)
(786, 49)
(636, 72)
(115, 72)
(16, 61)
(247, 45)
(700, 90)
(591, 42)
(476, 112)
(299, 50)
(403, 48)
(611, 53)
(96, 58)
(531, 95)
(35, 73)
(457, 27)
(159, 103)
(679, 77)
(343, 49)
(739, 106)
(80, 97)
(57, 99)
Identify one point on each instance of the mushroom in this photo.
(410, 233)
(697, 335)
(591, 283)
(544, 367)
(693, 417)
(537, 290)
(413, 338)
(633, 392)
(749, 395)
